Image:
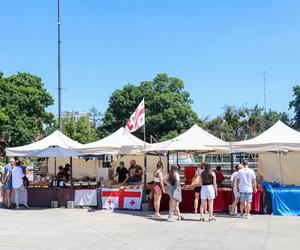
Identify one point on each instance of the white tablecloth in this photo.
(86, 197)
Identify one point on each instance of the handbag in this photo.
(25, 181)
(169, 189)
(177, 194)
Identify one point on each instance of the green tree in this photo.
(23, 102)
(81, 130)
(167, 105)
(295, 104)
(240, 123)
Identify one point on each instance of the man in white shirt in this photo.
(246, 185)
(19, 188)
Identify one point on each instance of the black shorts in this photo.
(197, 189)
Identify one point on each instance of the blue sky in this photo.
(218, 48)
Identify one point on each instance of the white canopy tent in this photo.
(57, 138)
(279, 137)
(279, 153)
(120, 142)
(194, 139)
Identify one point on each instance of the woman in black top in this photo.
(208, 191)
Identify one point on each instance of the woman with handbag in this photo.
(158, 187)
(208, 191)
(173, 180)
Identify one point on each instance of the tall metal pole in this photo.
(59, 69)
(265, 96)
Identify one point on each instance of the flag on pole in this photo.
(137, 119)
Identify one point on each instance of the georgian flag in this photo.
(133, 199)
(137, 119)
(115, 198)
(110, 198)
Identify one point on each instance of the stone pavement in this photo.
(99, 229)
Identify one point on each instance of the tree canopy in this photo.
(295, 104)
(240, 123)
(167, 105)
(82, 129)
(23, 102)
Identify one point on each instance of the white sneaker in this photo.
(170, 219)
(248, 216)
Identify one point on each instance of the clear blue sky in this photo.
(219, 48)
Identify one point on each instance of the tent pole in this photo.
(71, 163)
(168, 162)
(54, 166)
(280, 164)
(145, 177)
(231, 162)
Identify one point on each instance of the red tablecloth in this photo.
(221, 203)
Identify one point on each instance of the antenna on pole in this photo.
(265, 95)
(59, 66)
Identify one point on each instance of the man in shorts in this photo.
(246, 185)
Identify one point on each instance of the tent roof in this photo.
(57, 138)
(54, 151)
(194, 139)
(120, 142)
(278, 137)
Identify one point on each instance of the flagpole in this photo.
(145, 155)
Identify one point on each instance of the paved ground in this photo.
(99, 229)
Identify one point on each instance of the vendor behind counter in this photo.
(136, 173)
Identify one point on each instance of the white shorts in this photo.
(236, 193)
(207, 192)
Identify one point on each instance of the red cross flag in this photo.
(137, 119)
(121, 199)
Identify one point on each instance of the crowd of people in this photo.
(205, 188)
(14, 179)
(205, 184)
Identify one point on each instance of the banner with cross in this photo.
(118, 198)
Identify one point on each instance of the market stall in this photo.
(279, 157)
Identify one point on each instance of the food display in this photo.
(40, 184)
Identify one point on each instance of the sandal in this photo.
(212, 219)
(180, 218)
(202, 219)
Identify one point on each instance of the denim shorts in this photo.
(245, 197)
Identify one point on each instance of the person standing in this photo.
(122, 173)
(18, 185)
(136, 173)
(236, 194)
(158, 187)
(7, 182)
(197, 188)
(246, 185)
(219, 175)
(173, 180)
(208, 191)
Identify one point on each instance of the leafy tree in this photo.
(167, 105)
(23, 102)
(243, 123)
(81, 130)
(295, 104)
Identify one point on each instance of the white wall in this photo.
(81, 167)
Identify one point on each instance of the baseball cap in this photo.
(122, 163)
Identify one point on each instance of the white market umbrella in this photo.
(54, 152)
